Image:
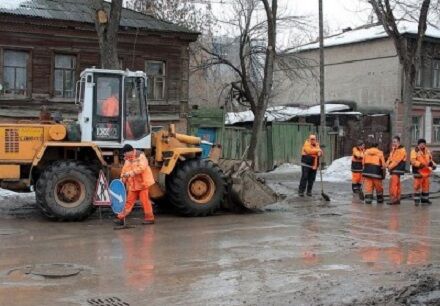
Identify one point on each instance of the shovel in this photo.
(323, 194)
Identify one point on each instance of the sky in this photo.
(338, 14)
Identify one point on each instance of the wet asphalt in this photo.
(300, 251)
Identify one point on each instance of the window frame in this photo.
(435, 71)
(163, 76)
(74, 70)
(421, 128)
(433, 140)
(28, 74)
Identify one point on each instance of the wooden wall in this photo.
(44, 38)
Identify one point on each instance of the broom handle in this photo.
(322, 184)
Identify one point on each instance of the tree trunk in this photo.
(107, 27)
(407, 109)
(257, 131)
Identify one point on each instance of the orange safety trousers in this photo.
(356, 177)
(132, 196)
(371, 184)
(395, 188)
(421, 184)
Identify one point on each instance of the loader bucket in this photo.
(245, 189)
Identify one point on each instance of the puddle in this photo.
(11, 231)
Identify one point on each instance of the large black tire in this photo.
(197, 188)
(65, 191)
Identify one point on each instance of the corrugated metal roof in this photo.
(82, 11)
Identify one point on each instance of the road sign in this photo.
(102, 196)
(117, 196)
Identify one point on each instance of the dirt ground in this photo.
(300, 251)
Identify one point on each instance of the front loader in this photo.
(61, 161)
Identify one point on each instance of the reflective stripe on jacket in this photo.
(309, 155)
(397, 161)
(374, 163)
(356, 159)
(140, 175)
(419, 160)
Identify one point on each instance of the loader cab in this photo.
(113, 108)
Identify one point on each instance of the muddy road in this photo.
(300, 251)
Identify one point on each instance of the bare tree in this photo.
(181, 12)
(408, 51)
(107, 27)
(256, 60)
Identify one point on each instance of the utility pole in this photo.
(321, 70)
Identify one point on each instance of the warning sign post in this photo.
(102, 196)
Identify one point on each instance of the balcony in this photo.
(426, 94)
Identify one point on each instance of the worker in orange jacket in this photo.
(311, 152)
(357, 166)
(137, 176)
(422, 166)
(373, 173)
(109, 107)
(396, 165)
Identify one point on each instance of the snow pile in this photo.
(285, 113)
(368, 33)
(4, 193)
(287, 168)
(8, 195)
(338, 171)
(11, 4)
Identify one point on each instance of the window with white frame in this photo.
(155, 71)
(416, 128)
(436, 73)
(64, 76)
(15, 72)
(436, 130)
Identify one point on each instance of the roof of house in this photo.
(82, 11)
(366, 33)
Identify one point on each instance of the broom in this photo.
(323, 194)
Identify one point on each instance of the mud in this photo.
(299, 251)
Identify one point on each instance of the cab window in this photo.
(107, 125)
(136, 117)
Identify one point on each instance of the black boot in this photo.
(309, 193)
(361, 195)
(368, 199)
(379, 198)
(301, 193)
(355, 188)
(417, 199)
(425, 198)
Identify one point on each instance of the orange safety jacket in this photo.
(356, 159)
(109, 107)
(139, 172)
(420, 159)
(309, 155)
(397, 161)
(374, 163)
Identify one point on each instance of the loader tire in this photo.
(65, 191)
(196, 188)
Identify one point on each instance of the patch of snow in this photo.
(338, 171)
(287, 168)
(11, 4)
(284, 113)
(7, 193)
(368, 33)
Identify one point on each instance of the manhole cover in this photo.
(53, 270)
(107, 301)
